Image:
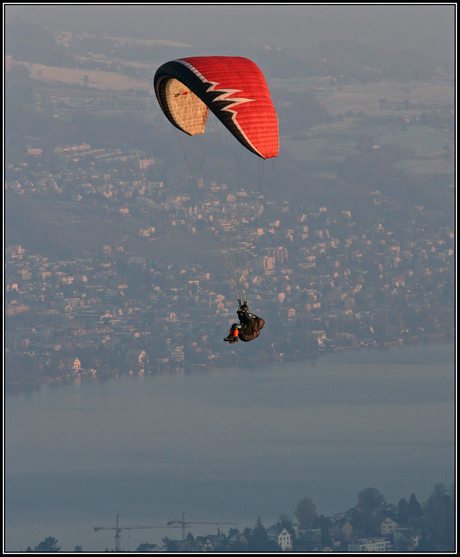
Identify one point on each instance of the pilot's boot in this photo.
(232, 336)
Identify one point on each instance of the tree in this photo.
(403, 510)
(259, 539)
(190, 541)
(414, 509)
(48, 545)
(368, 499)
(284, 521)
(305, 512)
(440, 519)
(326, 539)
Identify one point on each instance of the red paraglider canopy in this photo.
(233, 88)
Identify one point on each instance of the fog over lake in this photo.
(226, 445)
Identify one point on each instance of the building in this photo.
(369, 544)
(178, 354)
(76, 366)
(136, 358)
(388, 526)
(347, 531)
(148, 547)
(280, 254)
(281, 536)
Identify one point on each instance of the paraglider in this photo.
(234, 90)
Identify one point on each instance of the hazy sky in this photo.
(413, 27)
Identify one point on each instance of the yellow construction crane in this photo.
(119, 528)
(182, 524)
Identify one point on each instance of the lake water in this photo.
(228, 445)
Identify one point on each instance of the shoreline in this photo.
(12, 388)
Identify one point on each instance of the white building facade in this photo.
(370, 544)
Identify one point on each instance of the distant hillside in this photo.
(65, 229)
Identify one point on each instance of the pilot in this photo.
(248, 328)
